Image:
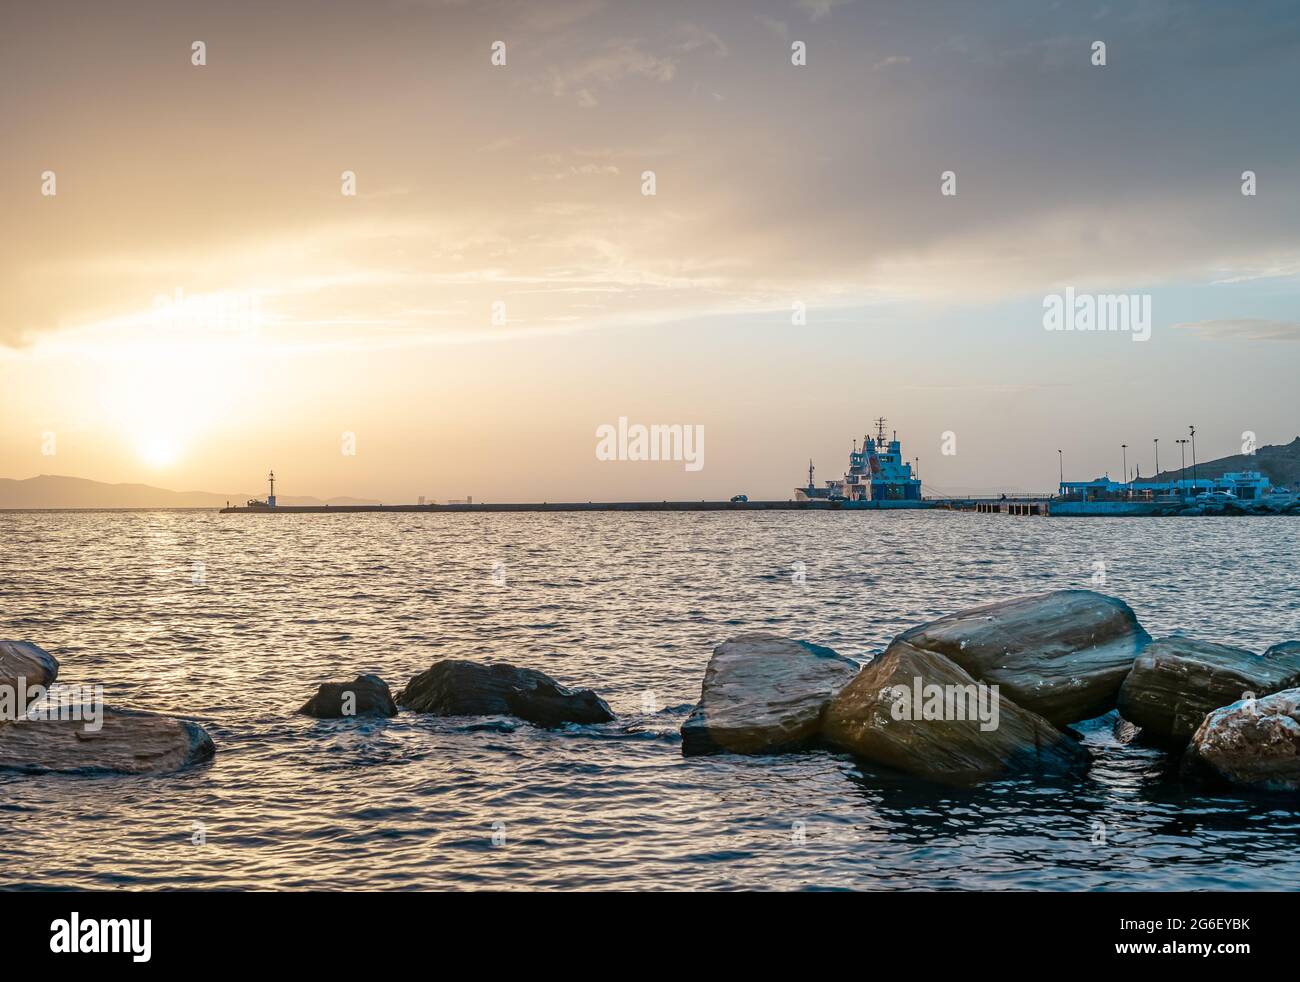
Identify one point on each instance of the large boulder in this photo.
(1062, 655)
(366, 695)
(464, 688)
(764, 694)
(916, 711)
(125, 742)
(1254, 743)
(1177, 681)
(23, 660)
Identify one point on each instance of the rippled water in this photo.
(630, 604)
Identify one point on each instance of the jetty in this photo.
(880, 478)
(538, 506)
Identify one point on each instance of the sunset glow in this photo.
(424, 263)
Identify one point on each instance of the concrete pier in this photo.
(1009, 506)
(552, 506)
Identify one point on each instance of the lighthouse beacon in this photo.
(270, 498)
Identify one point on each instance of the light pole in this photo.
(1156, 441)
(1182, 474)
(1060, 459)
(1192, 429)
(1124, 447)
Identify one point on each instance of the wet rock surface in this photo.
(764, 694)
(454, 687)
(1177, 681)
(128, 742)
(1062, 655)
(871, 719)
(366, 695)
(22, 659)
(1252, 744)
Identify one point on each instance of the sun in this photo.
(158, 450)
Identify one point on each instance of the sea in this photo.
(234, 620)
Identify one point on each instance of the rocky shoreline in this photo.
(993, 691)
(977, 695)
(83, 739)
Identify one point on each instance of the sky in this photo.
(200, 300)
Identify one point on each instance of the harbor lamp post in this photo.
(1156, 441)
(1124, 447)
(1182, 474)
(1060, 459)
(1192, 429)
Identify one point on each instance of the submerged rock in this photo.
(1062, 655)
(127, 742)
(1125, 732)
(764, 694)
(1252, 743)
(1287, 650)
(1177, 681)
(977, 734)
(23, 660)
(464, 688)
(366, 695)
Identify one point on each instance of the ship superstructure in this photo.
(876, 473)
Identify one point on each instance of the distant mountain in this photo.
(52, 491)
(1280, 464)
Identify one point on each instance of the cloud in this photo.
(818, 9)
(812, 185)
(579, 170)
(619, 60)
(555, 14)
(777, 28)
(695, 37)
(1244, 329)
(890, 61)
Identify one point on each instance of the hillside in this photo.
(53, 491)
(1280, 463)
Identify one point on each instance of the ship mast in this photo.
(880, 432)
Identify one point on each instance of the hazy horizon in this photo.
(302, 495)
(499, 286)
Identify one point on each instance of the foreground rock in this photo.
(1177, 681)
(1252, 744)
(127, 743)
(955, 732)
(22, 659)
(464, 688)
(366, 695)
(1062, 655)
(764, 694)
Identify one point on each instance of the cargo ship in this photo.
(877, 474)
